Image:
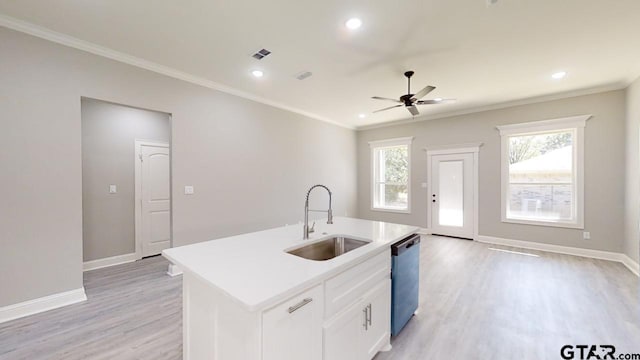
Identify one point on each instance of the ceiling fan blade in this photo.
(413, 110)
(422, 93)
(432, 102)
(391, 107)
(387, 99)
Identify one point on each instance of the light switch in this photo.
(188, 190)
(113, 189)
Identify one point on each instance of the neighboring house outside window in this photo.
(391, 175)
(543, 171)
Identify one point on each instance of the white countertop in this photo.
(254, 269)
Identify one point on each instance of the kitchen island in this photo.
(245, 297)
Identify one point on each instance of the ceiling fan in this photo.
(411, 100)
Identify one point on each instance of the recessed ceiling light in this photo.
(257, 73)
(353, 23)
(362, 116)
(559, 75)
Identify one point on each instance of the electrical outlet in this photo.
(188, 190)
(113, 189)
(586, 235)
(424, 185)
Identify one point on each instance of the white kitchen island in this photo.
(246, 298)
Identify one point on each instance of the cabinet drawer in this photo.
(293, 329)
(347, 287)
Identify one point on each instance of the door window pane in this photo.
(451, 186)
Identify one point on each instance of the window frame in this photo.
(576, 125)
(382, 144)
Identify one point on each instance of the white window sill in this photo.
(398, 211)
(559, 224)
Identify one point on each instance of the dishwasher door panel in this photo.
(405, 287)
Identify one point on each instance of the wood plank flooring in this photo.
(482, 304)
(475, 304)
(133, 311)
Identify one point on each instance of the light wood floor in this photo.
(481, 304)
(475, 304)
(133, 311)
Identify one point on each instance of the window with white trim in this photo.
(542, 172)
(391, 175)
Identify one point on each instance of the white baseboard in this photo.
(567, 250)
(631, 264)
(174, 270)
(39, 305)
(424, 231)
(110, 261)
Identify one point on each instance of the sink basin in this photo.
(327, 249)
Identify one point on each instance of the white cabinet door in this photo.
(342, 337)
(377, 333)
(293, 329)
(363, 330)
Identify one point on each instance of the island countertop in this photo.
(255, 270)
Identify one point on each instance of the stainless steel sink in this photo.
(327, 249)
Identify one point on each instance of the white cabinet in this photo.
(345, 317)
(377, 333)
(293, 329)
(361, 326)
(341, 336)
(359, 332)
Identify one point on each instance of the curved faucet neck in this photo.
(308, 230)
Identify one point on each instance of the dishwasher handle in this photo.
(405, 244)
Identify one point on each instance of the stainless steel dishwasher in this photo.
(405, 281)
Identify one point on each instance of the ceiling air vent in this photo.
(261, 54)
(304, 75)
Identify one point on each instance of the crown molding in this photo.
(73, 42)
(503, 105)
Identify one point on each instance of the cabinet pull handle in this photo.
(364, 312)
(370, 316)
(299, 305)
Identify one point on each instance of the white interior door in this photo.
(155, 199)
(452, 195)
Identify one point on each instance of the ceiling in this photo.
(482, 55)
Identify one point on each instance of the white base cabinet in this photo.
(359, 332)
(344, 317)
(293, 329)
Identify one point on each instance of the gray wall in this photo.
(604, 168)
(108, 134)
(251, 164)
(632, 208)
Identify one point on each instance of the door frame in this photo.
(137, 156)
(470, 148)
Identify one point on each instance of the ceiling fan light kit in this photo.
(410, 100)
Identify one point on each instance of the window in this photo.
(542, 172)
(391, 175)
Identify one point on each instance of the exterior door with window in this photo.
(452, 195)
